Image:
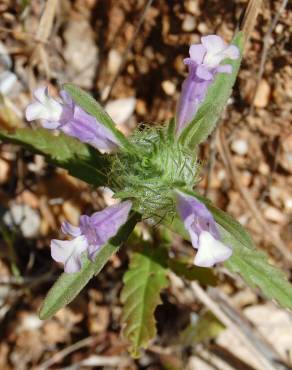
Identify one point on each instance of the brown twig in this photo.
(247, 197)
(249, 18)
(57, 357)
(221, 316)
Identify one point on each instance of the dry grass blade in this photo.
(216, 310)
(249, 17)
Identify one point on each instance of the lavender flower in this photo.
(203, 64)
(64, 115)
(203, 231)
(93, 232)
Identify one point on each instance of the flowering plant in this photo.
(154, 174)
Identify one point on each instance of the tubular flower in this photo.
(64, 115)
(203, 231)
(92, 233)
(204, 64)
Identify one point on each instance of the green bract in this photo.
(149, 175)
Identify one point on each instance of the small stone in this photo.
(4, 171)
(274, 215)
(121, 109)
(114, 61)
(168, 87)
(141, 107)
(189, 23)
(262, 96)
(71, 212)
(264, 169)
(24, 217)
(239, 146)
(202, 28)
(192, 7)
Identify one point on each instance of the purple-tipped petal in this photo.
(211, 251)
(203, 73)
(69, 252)
(88, 130)
(69, 118)
(70, 229)
(194, 90)
(203, 231)
(106, 223)
(197, 53)
(204, 64)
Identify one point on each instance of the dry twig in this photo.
(216, 310)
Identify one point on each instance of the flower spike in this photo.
(66, 116)
(204, 64)
(92, 233)
(203, 231)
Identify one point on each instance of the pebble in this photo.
(263, 93)
(26, 218)
(114, 61)
(239, 146)
(4, 171)
(192, 7)
(189, 23)
(168, 87)
(274, 215)
(121, 109)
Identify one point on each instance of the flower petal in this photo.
(108, 221)
(211, 251)
(197, 53)
(41, 94)
(203, 219)
(232, 52)
(213, 43)
(69, 229)
(204, 73)
(69, 252)
(87, 129)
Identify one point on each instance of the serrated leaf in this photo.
(210, 110)
(79, 159)
(246, 260)
(91, 106)
(68, 286)
(143, 283)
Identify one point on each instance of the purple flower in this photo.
(203, 231)
(64, 115)
(93, 232)
(204, 64)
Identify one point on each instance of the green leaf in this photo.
(204, 275)
(246, 260)
(143, 283)
(91, 106)
(209, 112)
(79, 159)
(68, 286)
(255, 269)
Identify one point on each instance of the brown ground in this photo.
(86, 46)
